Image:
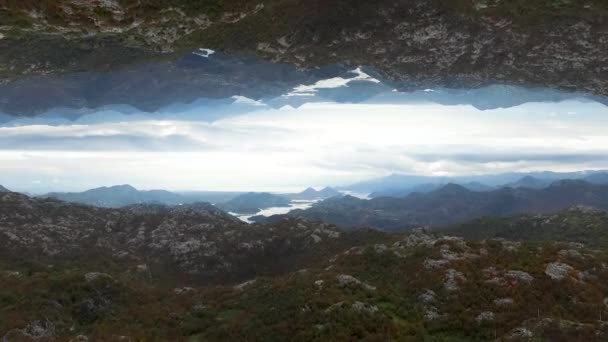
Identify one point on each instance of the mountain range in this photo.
(153, 272)
(451, 204)
(399, 185)
(237, 202)
(253, 202)
(310, 194)
(118, 196)
(459, 49)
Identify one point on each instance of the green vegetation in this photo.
(575, 225)
(384, 302)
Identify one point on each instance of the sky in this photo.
(287, 149)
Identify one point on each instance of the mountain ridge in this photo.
(452, 204)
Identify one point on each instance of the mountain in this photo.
(477, 186)
(208, 196)
(118, 196)
(529, 182)
(452, 204)
(404, 192)
(198, 241)
(3, 189)
(456, 50)
(393, 181)
(402, 182)
(424, 188)
(598, 178)
(253, 202)
(312, 194)
(190, 87)
(578, 224)
(74, 272)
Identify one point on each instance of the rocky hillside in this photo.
(451, 204)
(579, 224)
(197, 242)
(414, 44)
(418, 286)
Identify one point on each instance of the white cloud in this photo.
(317, 144)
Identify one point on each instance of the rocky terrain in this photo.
(451, 204)
(342, 286)
(196, 241)
(412, 45)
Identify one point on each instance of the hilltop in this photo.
(96, 271)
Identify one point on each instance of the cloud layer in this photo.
(317, 144)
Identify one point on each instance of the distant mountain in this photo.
(453, 204)
(486, 182)
(477, 186)
(393, 181)
(424, 188)
(530, 182)
(3, 189)
(598, 178)
(251, 203)
(118, 196)
(312, 194)
(208, 196)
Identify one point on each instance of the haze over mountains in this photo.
(410, 183)
(236, 202)
(452, 204)
(406, 207)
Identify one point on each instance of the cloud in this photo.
(314, 145)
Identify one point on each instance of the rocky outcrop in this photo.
(414, 44)
(345, 280)
(558, 270)
(198, 239)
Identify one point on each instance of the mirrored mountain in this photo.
(217, 86)
(426, 44)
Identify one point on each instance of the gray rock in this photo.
(242, 286)
(503, 301)
(93, 276)
(521, 333)
(364, 308)
(452, 279)
(428, 297)
(345, 280)
(485, 316)
(558, 270)
(183, 290)
(520, 276)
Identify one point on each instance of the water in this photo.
(295, 204)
